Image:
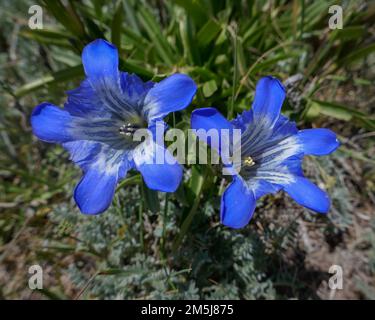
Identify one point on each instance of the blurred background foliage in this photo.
(150, 245)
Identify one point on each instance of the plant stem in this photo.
(189, 219)
(164, 225)
(140, 219)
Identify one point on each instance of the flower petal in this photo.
(283, 128)
(308, 194)
(237, 205)
(95, 191)
(318, 142)
(272, 154)
(51, 123)
(209, 119)
(84, 101)
(134, 89)
(160, 170)
(83, 152)
(243, 120)
(171, 94)
(103, 168)
(261, 188)
(100, 61)
(269, 97)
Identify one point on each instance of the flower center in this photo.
(129, 129)
(248, 162)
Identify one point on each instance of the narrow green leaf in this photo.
(121, 272)
(131, 17)
(117, 24)
(180, 194)
(50, 294)
(191, 53)
(340, 112)
(336, 110)
(134, 38)
(208, 33)
(155, 33)
(133, 66)
(358, 54)
(348, 33)
(151, 199)
(94, 31)
(196, 181)
(194, 9)
(270, 62)
(47, 36)
(57, 77)
(67, 16)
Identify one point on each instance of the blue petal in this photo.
(237, 205)
(262, 187)
(100, 60)
(100, 98)
(279, 142)
(318, 142)
(103, 167)
(95, 191)
(171, 94)
(270, 155)
(84, 101)
(269, 97)
(157, 130)
(293, 165)
(308, 194)
(210, 119)
(284, 128)
(83, 152)
(160, 170)
(51, 124)
(243, 120)
(134, 89)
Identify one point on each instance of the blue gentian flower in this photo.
(98, 122)
(271, 152)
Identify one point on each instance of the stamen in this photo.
(249, 162)
(128, 129)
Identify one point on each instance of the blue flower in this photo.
(271, 152)
(99, 120)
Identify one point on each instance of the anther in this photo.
(128, 129)
(249, 162)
